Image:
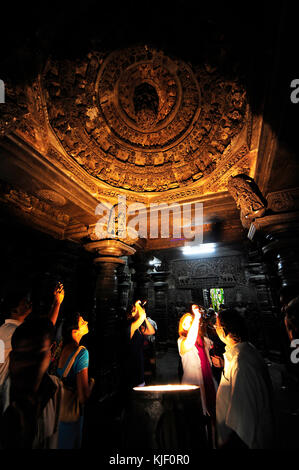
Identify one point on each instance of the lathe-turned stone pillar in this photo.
(140, 277)
(161, 304)
(124, 284)
(109, 255)
(277, 236)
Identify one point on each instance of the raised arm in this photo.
(140, 316)
(58, 298)
(189, 341)
(149, 330)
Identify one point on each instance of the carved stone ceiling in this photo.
(138, 120)
(115, 106)
(175, 131)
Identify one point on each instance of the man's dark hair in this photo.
(12, 299)
(287, 293)
(233, 324)
(34, 330)
(292, 317)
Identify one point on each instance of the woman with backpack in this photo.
(73, 371)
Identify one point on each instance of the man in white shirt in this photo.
(244, 398)
(20, 306)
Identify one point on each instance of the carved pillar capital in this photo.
(111, 250)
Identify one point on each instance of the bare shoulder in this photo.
(208, 341)
(181, 345)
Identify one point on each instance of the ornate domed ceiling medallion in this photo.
(165, 90)
(142, 121)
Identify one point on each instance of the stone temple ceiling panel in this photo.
(139, 120)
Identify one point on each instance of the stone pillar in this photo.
(161, 304)
(140, 277)
(124, 286)
(283, 251)
(266, 334)
(277, 236)
(108, 316)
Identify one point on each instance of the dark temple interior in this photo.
(154, 103)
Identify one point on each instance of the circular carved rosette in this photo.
(142, 121)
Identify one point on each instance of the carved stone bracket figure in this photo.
(114, 226)
(248, 198)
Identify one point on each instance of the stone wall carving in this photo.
(29, 204)
(190, 118)
(209, 272)
(191, 277)
(281, 201)
(185, 287)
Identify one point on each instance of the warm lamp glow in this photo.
(166, 388)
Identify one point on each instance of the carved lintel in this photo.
(286, 200)
(275, 223)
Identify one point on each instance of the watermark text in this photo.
(295, 92)
(2, 92)
(295, 353)
(137, 220)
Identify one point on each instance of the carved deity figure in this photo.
(113, 224)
